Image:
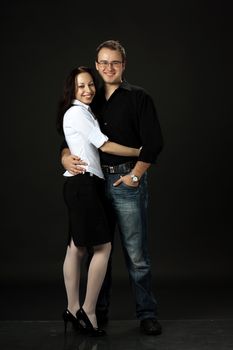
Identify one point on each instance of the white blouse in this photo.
(83, 136)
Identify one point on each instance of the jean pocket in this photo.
(133, 188)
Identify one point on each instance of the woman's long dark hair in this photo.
(69, 94)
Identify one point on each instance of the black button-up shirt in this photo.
(129, 117)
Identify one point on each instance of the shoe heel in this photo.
(68, 317)
(65, 319)
(65, 326)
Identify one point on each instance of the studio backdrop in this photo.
(179, 52)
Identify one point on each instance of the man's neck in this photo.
(109, 89)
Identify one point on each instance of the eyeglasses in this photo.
(105, 64)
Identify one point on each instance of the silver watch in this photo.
(134, 178)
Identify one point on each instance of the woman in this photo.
(84, 197)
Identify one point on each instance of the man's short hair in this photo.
(112, 45)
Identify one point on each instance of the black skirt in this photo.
(86, 203)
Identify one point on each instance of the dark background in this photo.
(180, 52)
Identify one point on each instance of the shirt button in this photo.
(105, 123)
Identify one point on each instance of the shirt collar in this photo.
(79, 103)
(125, 85)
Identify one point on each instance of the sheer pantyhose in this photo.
(96, 273)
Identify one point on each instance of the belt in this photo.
(118, 169)
(87, 173)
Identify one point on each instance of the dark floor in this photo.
(193, 316)
(122, 335)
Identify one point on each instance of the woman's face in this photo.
(85, 88)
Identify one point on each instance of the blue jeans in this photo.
(129, 209)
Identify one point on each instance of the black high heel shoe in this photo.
(86, 325)
(69, 317)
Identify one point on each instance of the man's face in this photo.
(110, 66)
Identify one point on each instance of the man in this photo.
(127, 115)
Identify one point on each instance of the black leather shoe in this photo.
(150, 326)
(69, 317)
(86, 325)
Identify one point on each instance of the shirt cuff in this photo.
(97, 138)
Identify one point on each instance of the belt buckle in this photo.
(111, 169)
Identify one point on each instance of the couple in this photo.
(106, 184)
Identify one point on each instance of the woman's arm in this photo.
(120, 150)
(84, 125)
